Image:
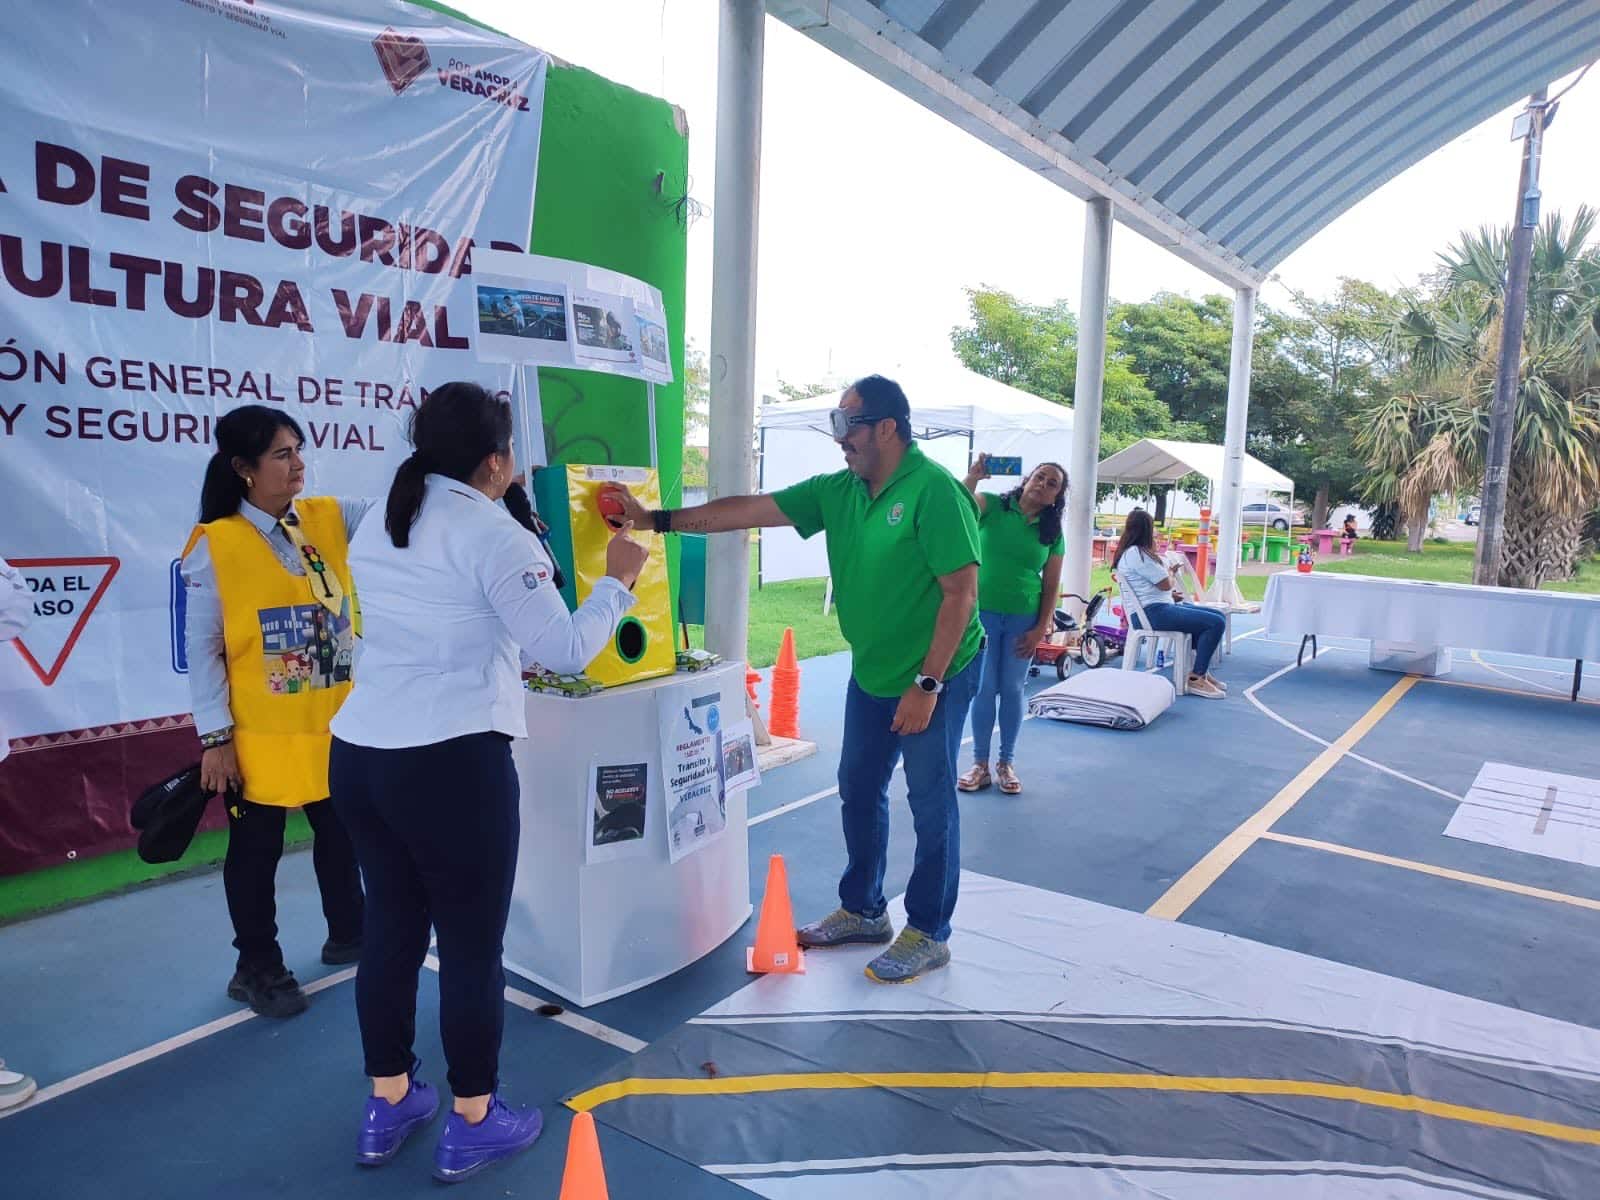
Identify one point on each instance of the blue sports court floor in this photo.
(1305, 813)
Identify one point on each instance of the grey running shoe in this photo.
(912, 955)
(15, 1088)
(843, 928)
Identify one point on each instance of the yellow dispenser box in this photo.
(643, 645)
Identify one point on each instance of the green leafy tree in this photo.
(1433, 435)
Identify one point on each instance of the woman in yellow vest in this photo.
(270, 631)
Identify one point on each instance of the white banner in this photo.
(205, 203)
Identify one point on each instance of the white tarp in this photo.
(1112, 699)
(954, 414)
(235, 204)
(1156, 460)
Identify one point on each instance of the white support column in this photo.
(737, 202)
(1088, 394)
(1230, 499)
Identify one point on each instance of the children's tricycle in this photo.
(1089, 642)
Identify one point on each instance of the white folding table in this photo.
(1412, 623)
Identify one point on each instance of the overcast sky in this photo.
(876, 213)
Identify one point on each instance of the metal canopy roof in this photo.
(1230, 131)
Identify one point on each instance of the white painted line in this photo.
(117, 1065)
(627, 1043)
(833, 791)
(1505, 673)
(1250, 695)
(793, 804)
(1118, 1163)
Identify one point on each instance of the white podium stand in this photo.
(592, 931)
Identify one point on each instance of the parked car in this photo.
(1472, 515)
(1276, 515)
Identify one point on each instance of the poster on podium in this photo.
(690, 717)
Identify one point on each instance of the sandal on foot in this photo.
(976, 779)
(1009, 783)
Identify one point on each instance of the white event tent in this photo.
(1158, 461)
(954, 413)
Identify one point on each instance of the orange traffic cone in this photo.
(751, 678)
(785, 719)
(585, 1176)
(776, 952)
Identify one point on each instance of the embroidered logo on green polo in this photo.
(897, 513)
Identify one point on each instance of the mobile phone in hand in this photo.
(1001, 464)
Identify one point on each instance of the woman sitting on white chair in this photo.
(1142, 573)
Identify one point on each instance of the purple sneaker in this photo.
(386, 1126)
(466, 1149)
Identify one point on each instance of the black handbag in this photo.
(166, 814)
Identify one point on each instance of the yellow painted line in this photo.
(1209, 869)
(745, 1085)
(1407, 864)
(1561, 697)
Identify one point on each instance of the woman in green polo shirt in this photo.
(1019, 583)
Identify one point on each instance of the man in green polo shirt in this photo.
(903, 553)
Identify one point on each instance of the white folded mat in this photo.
(1110, 698)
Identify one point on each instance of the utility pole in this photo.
(1508, 372)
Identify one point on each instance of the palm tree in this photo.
(1432, 437)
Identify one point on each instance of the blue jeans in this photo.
(1004, 675)
(1204, 625)
(866, 764)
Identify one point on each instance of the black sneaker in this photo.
(340, 954)
(271, 993)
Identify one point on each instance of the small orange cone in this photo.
(777, 951)
(785, 719)
(585, 1176)
(751, 678)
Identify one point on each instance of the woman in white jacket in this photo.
(16, 610)
(455, 595)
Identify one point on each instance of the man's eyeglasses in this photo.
(842, 422)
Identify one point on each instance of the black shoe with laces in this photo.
(339, 954)
(271, 993)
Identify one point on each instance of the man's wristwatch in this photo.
(661, 520)
(930, 685)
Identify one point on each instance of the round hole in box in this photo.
(631, 640)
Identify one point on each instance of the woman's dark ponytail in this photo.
(245, 433)
(458, 426)
(405, 499)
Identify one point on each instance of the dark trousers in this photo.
(436, 829)
(249, 875)
(1205, 625)
(866, 765)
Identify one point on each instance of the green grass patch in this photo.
(84, 879)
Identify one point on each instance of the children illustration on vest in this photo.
(305, 648)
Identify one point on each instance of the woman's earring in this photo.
(250, 481)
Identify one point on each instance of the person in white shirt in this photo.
(16, 613)
(267, 609)
(455, 596)
(1141, 572)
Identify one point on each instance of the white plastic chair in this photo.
(1140, 635)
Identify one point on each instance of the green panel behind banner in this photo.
(597, 202)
